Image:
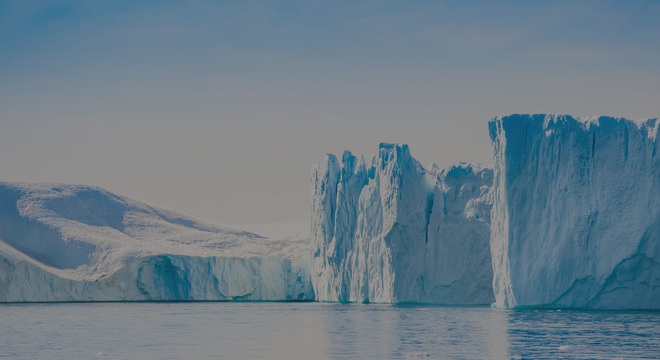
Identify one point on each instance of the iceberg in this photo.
(568, 218)
(576, 213)
(387, 230)
(81, 243)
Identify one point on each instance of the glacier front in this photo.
(81, 243)
(576, 214)
(388, 230)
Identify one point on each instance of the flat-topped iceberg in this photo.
(81, 243)
(576, 214)
(388, 230)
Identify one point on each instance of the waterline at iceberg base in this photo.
(569, 217)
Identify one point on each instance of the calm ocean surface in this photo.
(318, 331)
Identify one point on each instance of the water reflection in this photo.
(319, 331)
(585, 335)
(396, 332)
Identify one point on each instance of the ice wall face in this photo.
(576, 215)
(80, 243)
(162, 278)
(387, 230)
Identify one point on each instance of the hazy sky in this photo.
(218, 109)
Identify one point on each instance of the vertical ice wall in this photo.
(576, 214)
(162, 278)
(388, 230)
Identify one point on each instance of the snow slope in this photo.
(78, 243)
(387, 230)
(576, 214)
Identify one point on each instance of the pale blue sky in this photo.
(218, 109)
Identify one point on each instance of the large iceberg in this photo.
(388, 230)
(576, 214)
(570, 217)
(81, 243)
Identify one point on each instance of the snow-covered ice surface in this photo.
(576, 214)
(79, 243)
(276, 230)
(388, 230)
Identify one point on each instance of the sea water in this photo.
(224, 330)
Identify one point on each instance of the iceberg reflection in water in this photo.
(319, 331)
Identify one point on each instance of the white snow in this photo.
(72, 243)
(387, 230)
(576, 214)
(276, 230)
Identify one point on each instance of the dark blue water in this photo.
(318, 331)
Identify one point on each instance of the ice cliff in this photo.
(576, 214)
(388, 230)
(569, 217)
(80, 243)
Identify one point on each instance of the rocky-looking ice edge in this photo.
(575, 220)
(387, 230)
